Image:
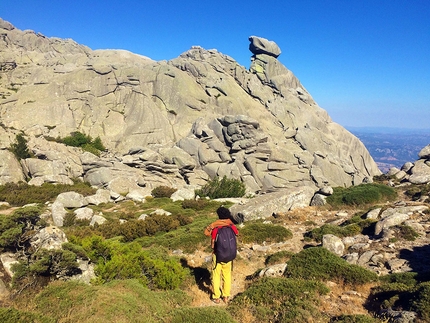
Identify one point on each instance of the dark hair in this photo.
(223, 213)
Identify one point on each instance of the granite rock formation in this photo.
(176, 123)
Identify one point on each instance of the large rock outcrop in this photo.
(177, 122)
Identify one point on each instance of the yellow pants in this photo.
(221, 271)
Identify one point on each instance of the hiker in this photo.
(224, 251)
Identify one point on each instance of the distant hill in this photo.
(392, 147)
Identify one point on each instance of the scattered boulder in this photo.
(273, 271)
(50, 238)
(71, 200)
(264, 206)
(261, 45)
(333, 244)
(8, 259)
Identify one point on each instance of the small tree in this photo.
(20, 148)
(225, 187)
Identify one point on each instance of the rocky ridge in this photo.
(175, 123)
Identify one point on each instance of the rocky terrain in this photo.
(176, 123)
(182, 122)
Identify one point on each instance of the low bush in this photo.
(152, 268)
(415, 192)
(118, 301)
(12, 315)
(223, 188)
(278, 257)
(405, 232)
(199, 204)
(354, 318)
(200, 314)
(280, 300)
(361, 195)
(260, 232)
(19, 194)
(163, 191)
(339, 231)
(318, 263)
(78, 139)
(407, 291)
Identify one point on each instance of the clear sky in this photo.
(366, 62)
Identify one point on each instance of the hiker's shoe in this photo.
(216, 300)
(225, 299)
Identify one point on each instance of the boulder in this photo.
(273, 271)
(8, 259)
(84, 213)
(333, 244)
(10, 169)
(58, 213)
(97, 219)
(71, 200)
(50, 238)
(264, 206)
(261, 45)
(425, 152)
(101, 196)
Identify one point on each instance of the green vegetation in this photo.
(280, 300)
(163, 191)
(346, 231)
(404, 291)
(278, 257)
(13, 228)
(223, 188)
(19, 194)
(361, 195)
(20, 148)
(138, 279)
(318, 263)
(416, 192)
(114, 260)
(200, 314)
(78, 139)
(118, 301)
(260, 232)
(358, 318)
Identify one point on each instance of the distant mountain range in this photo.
(392, 147)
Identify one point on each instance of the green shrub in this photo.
(115, 260)
(280, 300)
(318, 263)
(354, 318)
(118, 301)
(19, 194)
(405, 232)
(260, 232)
(20, 148)
(278, 257)
(199, 204)
(347, 231)
(223, 188)
(421, 301)
(78, 139)
(360, 195)
(409, 291)
(13, 228)
(12, 315)
(163, 191)
(415, 192)
(200, 314)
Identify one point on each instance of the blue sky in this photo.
(367, 63)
